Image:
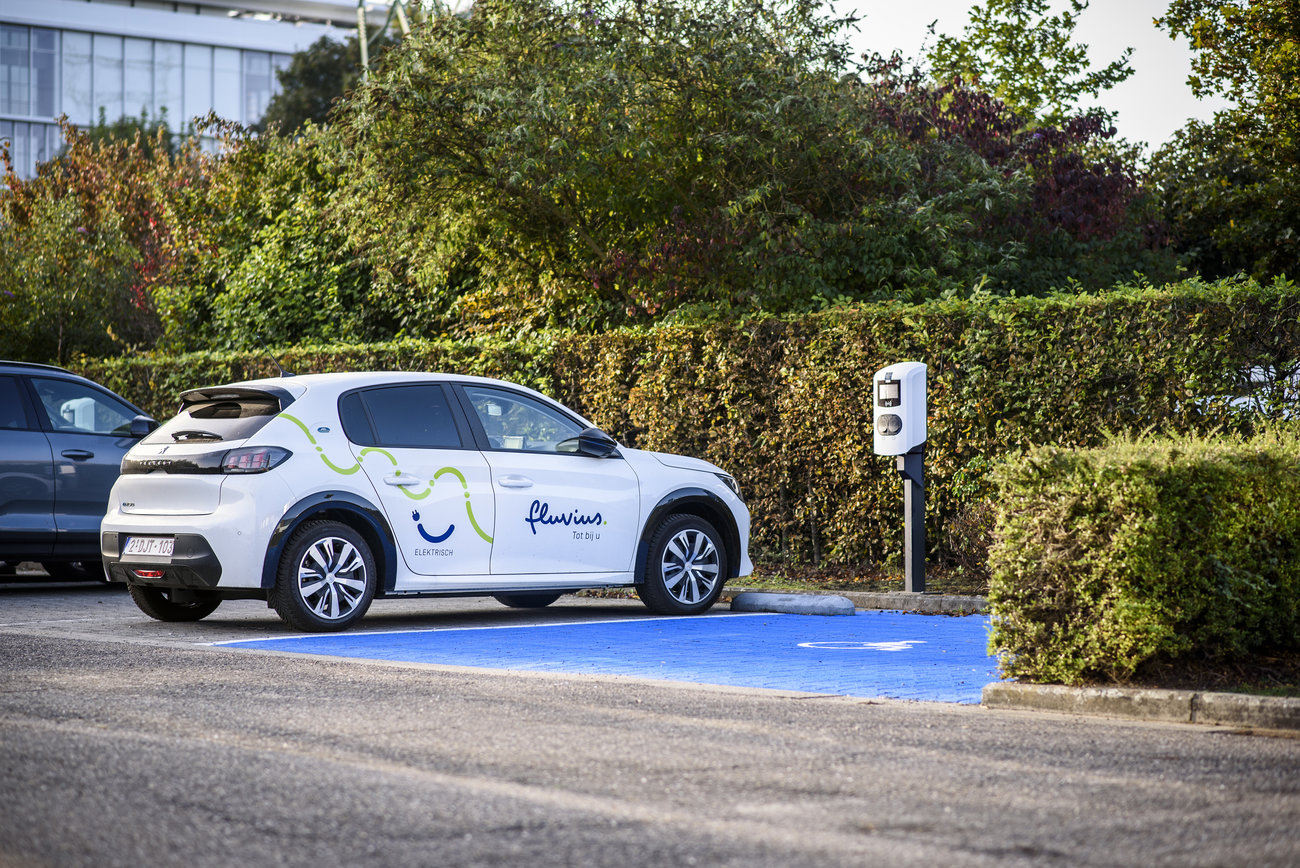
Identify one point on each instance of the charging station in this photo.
(899, 406)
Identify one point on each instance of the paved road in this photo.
(128, 742)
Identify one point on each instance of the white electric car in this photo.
(318, 493)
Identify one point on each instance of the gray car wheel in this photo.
(170, 604)
(686, 566)
(326, 579)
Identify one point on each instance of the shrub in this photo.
(1145, 550)
(785, 404)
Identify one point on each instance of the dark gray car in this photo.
(62, 438)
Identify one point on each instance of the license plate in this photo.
(149, 546)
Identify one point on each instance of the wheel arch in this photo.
(701, 503)
(354, 511)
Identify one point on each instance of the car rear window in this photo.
(416, 416)
(218, 420)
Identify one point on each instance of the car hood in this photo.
(685, 462)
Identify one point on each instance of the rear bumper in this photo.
(193, 564)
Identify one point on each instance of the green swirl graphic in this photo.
(369, 450)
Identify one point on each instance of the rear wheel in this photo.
(170, 604)
(526, 601)
(326, 579)
(686, 566)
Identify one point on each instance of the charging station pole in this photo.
(900, 429)
(912, 468)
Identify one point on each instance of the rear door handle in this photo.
(402, 480)
(513, 480)
(77, 454)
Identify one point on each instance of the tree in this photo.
(562, 163)
(65, 284)
(1230, 188)
(261, 262)
(1248, 52)
(315, 79)
(87, 241)
(1026, 58)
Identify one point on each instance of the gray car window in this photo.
(514, 421)
(80, 409)
(13, 412)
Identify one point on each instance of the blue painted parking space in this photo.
(869, 654)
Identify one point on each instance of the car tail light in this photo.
(253, 459)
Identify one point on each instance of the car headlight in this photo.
(730, 481)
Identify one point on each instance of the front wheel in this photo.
(685, 568)
(326, 579)
(168, 604)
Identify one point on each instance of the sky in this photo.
(1154, 102)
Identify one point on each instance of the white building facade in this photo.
(116, 58)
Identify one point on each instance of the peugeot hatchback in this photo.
(321, 492)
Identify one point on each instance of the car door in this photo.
(432, 483)
(26, 478)
(557, 511)
(89, 431)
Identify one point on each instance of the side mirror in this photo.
(141, 426)
(597, 444)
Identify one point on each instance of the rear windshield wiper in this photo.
(195, 435)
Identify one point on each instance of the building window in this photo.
(45, 72)
(107, 72)
(138, 78)
(15, 70)
(227, 90)
(258, 82)
(198, 81)
(78, 96)
(168, 84)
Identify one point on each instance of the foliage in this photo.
(116, 193)
(260, 262)
(315, 79)
(151, 133)
(546, 164)
(64, 285)
(1230, 188)
(1246, 50)
(1145, 550)
(784, 403)
(1018, 53)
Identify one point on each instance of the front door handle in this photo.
(514, 480)
(403, 481)
(77, 454)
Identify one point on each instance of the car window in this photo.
(515, 421)
(80, 409)
(13, 410)
(215, 421)
(416, 416)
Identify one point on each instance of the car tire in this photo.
(75, 571)
(158, 604)
(685, 568)
(326, 580)
(527, 601)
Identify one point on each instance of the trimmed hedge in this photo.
(1145, 550)
(785, 404)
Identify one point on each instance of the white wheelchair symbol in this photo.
(903, 645)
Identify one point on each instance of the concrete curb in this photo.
(934, 604)
(792, 604)
(1169, 706)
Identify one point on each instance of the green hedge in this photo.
(785, 404)
(1145, 550)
